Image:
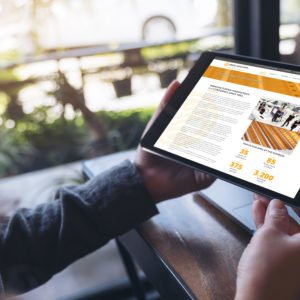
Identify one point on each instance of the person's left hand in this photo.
(163, 178)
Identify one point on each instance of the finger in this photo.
(277, 216)
(168, 95)
(261, 198)
(259, 210)
(203, 180)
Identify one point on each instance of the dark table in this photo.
(189, 251)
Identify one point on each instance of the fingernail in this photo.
(277, 207)
(277, 204)
(175, 81)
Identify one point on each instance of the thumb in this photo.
(277, 216)
(174, 85)
(168, 95)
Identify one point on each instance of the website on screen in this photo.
(243, 120)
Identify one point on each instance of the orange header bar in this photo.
(256, 81)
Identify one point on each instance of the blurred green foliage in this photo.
(169, 50)
(33, 145)
(45, 137)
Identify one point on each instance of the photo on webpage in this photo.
(275, 125)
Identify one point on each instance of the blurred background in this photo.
(81, 78)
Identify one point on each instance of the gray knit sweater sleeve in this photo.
(37, 243)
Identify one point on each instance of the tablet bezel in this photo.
(178, 99)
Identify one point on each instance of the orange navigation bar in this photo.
(256, 81)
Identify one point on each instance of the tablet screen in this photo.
(242, 119)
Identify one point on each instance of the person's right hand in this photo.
(269, 268)
(259, 209)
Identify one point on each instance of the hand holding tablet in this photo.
(163, 178)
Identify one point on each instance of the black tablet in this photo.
(237, 118)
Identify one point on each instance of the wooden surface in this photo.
(190, 250)
(199, 244)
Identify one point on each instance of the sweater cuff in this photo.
(125, 201)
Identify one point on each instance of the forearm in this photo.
(41, 242)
